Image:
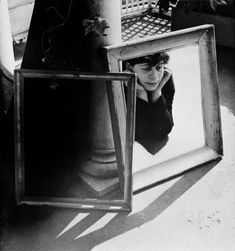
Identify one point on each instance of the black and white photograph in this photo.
(117, 125)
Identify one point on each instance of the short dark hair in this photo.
(152, 59)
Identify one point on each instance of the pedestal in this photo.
(100, 172)
(98, 185)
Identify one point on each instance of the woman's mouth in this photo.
(151, 84)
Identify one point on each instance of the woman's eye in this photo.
(158, 68)
(146, 68)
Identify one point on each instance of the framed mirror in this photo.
(195, 137)
(51, 140)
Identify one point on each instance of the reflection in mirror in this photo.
(186, 134)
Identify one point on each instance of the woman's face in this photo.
(149, 76)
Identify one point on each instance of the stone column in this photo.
(103, 160)
(6, 47)
(7, 61)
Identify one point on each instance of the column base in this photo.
(98, 185)
(102, 170)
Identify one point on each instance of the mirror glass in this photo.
(187, 133)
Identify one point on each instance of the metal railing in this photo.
(130, 7)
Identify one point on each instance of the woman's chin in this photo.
(150, 87)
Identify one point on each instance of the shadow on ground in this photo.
(123, 222)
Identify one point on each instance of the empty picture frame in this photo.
(204, 38)
(47, 162)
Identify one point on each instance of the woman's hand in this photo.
(166, 76)
(158, 91)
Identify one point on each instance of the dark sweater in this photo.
(155, 120)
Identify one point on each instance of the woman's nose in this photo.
(154, 73)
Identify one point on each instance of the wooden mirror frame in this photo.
(204, 37)
(123, 149)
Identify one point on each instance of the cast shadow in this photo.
(123, 222)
